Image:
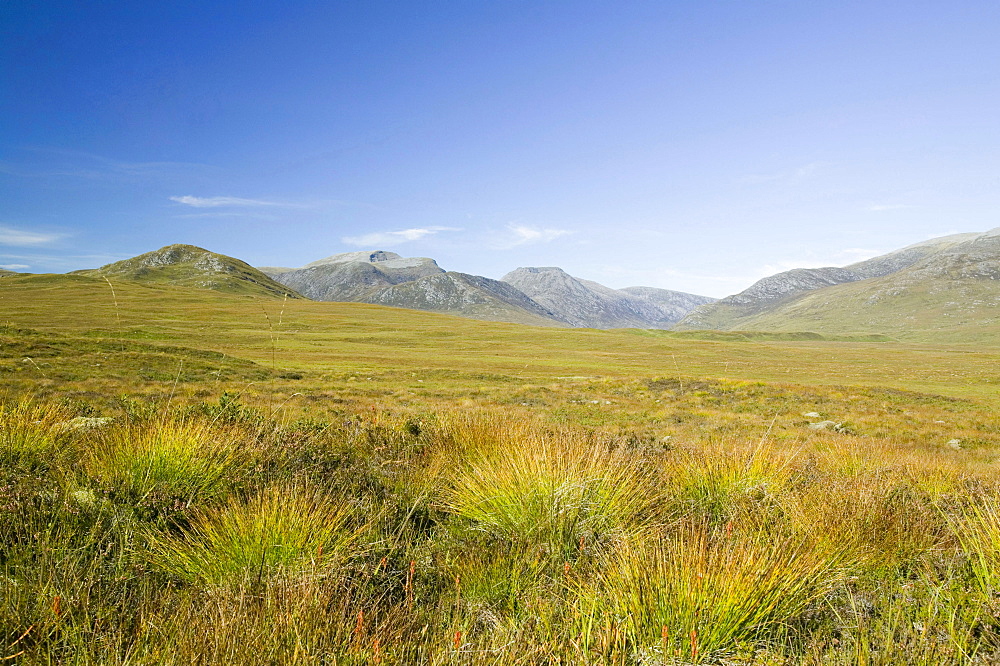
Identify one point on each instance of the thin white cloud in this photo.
(388, 238)
(14, 267)
(216, 202)
(877, 208)
(22, 238)
(524, 235)
(242, 214)
(790, 175)
(60, 163)
(839, 259)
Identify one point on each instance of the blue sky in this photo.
(688, 145)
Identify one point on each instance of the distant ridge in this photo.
(947, 287)
(418, 283)
(543, 296)
(584, 303)
(191, 266)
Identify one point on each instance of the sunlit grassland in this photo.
(322, 483)
(332, 345)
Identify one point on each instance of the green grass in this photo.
(283, 531)
(941, 308)
(299, 482)
(513, 479)
(702, 594)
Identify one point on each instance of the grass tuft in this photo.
(519, 481)
(284, 531)
(703, 592)
(168, 464)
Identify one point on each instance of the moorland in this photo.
(197, 477)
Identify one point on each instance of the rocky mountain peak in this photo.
(366, 256)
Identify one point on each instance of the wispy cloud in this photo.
(22, 238)
(877, 208)
(839, 258)
(388, 238)
(521, 234)
(14, 267)
(43, 162)
(790, 175)
(57, 263)
(218, 202)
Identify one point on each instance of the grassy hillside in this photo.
(943, 310)
(187, 265)
(286, 481)
(943, 290)
(328, 343)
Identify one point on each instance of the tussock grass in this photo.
(977, 528)
(283, 531)
(32, 434)
(524, 482)
(173, 463)
(480, 536)
(883, 521)
(716, 481)
(701, 593)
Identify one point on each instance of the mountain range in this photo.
(540, 296)
(946, 288)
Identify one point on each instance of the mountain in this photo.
(674, 304)
(466, 295)
(945, 288)
(588, 304)
(386, 278)
(190, 266)
(353, 276)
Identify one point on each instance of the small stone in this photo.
(86, 423)
(955, 444)
(83, 497)
(811, 415)
(824, 425)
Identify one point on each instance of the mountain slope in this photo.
(673, 304)
(468, 296)
(951, 293)
(190, 266)
(737, 312)
(418, 283)
(588, 304)
(353, 276)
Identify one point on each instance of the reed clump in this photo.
(169, 463)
